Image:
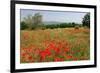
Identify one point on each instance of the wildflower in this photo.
(23, 54)
(58, 59)
(66, 49)
(30, 57)
(45, 53)
(75, 59)
(69, 57)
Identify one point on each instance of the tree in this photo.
(73, 24)
(37, 20)
(28, 21)
(23, 25)
(86, 20)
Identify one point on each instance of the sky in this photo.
(55, 16)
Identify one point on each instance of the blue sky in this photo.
(57, 16)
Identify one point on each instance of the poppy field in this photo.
(54, 45)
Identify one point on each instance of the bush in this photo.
(85, 27)
(43, 28)
(76, 27)
(23, 25)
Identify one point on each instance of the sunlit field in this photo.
(53, 45)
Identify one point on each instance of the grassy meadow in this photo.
(53, 45)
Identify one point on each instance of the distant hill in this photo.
(52, 22)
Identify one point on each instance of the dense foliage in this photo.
(62, 25)
(23, 25)
(49, 26)
(86, 20)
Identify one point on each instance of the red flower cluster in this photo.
(45, 53)
(58, 59)
(48, 46)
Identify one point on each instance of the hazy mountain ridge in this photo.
(52, 22)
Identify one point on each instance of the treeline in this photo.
(62, 25)
(49, 26)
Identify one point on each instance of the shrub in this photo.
(23, 25)
(76, 27)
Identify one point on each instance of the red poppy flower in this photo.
(57, 50)
(66, 49)
(30, 57)
(69, 57)
(45, 53)
(23, 54)
(66, 43)
(58, 59)
(75, 59)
